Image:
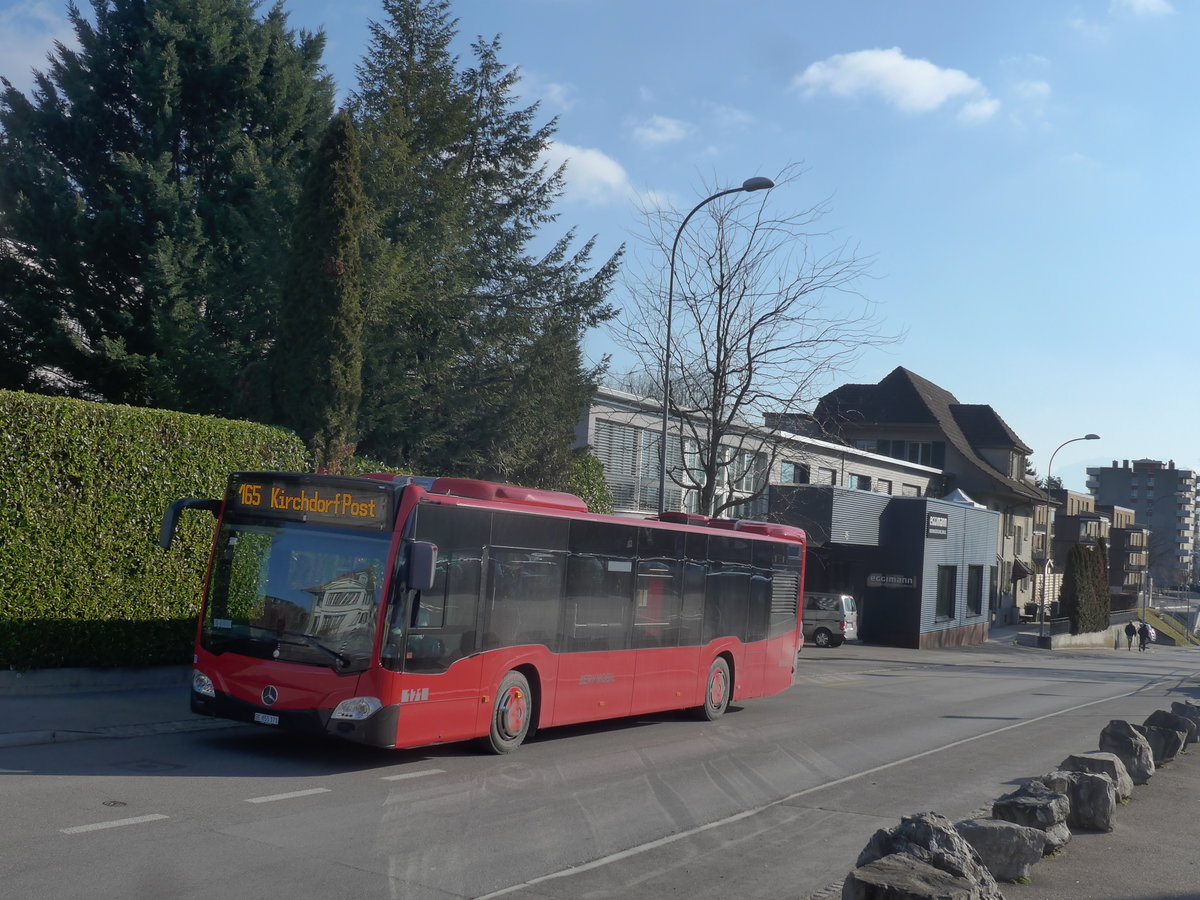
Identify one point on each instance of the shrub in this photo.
(83, 487)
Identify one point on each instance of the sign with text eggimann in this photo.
(937, 526)
(317, 501)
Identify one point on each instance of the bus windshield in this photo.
(296, 593)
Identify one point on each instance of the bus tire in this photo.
(717, 690)
(511, 714)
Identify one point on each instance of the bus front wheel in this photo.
(716, 690)
(511, 714)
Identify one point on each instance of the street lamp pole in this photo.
(1049, 564)
(757, 183)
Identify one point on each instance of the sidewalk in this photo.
(55, 705)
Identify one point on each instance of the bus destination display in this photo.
(306, 501)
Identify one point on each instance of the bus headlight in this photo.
(202, 684)
(357, 708)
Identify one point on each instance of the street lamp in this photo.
(1050, 532)
(758, 183)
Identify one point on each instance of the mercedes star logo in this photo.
(269, 695)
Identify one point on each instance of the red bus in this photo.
(401, 612)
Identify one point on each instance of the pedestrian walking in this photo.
(1144, 635)
(1131, 631)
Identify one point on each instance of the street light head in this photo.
(1091, 437)
(757, 183)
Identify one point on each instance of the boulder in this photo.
(1164, 719)
(931, 839)
(1007, 849)
(1102, 764)
(1132, 748)
(900, 876)
(1036, 806)
(1165, 743)
(1188, 710)
(1093, 798)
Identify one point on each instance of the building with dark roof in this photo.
(909, 417)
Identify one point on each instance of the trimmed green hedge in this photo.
(83, 487)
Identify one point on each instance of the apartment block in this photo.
(1163, 500)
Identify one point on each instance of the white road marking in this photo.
(289, 796)
(116, 823)
(406, 775)
(746, 814)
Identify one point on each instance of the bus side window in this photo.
(442, 628)
(692, 613)
(728, 590)
(657, 614)
(599, 603)
(523, 596)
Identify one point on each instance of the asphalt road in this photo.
(776, 799)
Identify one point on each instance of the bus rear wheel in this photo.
(716, 690)
(511, 714)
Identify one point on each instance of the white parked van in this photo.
(829, 619)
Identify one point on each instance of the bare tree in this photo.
(766, 312)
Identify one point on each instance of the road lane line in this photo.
(406, 775)
(116, 823)
(289, 796)
(746, 814)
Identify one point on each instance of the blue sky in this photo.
(1022, 174)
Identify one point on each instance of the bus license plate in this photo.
(265, 719)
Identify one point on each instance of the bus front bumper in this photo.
(379, 730)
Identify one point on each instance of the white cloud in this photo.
(554, 94)
(1144, 7)
(592, 176)
(975, 111)
(1037, 91)
(729, 117)
(560, 95)
(1031, 103)
(911, 85)
(28, 30)
(660, 130)
(1093, 31)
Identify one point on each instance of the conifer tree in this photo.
(316, 365)
(1074, 584)
(473, 340)
(1084, 596)
(1096, 616)
(147, 188)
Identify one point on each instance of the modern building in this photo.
(908, 417)
(923, 568)
(1163, 499)
(625, 431)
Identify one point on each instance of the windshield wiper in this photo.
(306, 640)
(310, 641)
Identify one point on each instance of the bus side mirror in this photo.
(166, 532)
(422, 563)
